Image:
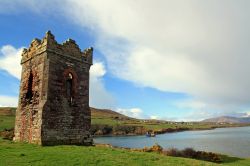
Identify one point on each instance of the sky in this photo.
(181, 60)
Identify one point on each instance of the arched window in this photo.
(69, 88)
(29, 93)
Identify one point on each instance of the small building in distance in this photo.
(53, 106)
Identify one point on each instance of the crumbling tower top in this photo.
(69, 48)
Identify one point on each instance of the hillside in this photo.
(28, 154)
(103, 113)
(106, 113)
(108, 122)
(228, 119)
(7, 111)
(7, 117)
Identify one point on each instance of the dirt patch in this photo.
(7, 134)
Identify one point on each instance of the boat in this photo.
(150, 134)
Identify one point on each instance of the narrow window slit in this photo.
(29, 93)
(69, 88)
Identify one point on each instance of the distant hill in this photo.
(95, 112)
(7, 111)
(228, 119)
(108, 122)
(106, 113)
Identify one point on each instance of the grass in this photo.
(7, 122)
(7, 117)
(27, 154)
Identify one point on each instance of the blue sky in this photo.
(172, 60)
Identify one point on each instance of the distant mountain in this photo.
(228, 119)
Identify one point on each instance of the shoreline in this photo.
(217, 141)
(169, 130)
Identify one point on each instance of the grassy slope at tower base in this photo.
(27, 154)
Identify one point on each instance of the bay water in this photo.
(229, 141)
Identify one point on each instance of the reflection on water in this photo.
(231, 141)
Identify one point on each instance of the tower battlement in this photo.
(69, 49)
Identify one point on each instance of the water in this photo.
(230, 141)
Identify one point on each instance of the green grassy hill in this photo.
(26, 154)
(109, 117)
(106, 121)
(111, 120)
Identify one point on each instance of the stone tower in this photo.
(53, 105)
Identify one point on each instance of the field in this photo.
(26, 154)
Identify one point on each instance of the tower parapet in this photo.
(69, 49)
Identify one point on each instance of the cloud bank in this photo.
(10, 59)
(200, 48)
(99, 96)
(8, 101)
(132, 112)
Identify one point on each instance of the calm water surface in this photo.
(231, 141)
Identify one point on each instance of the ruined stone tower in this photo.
(53, 105)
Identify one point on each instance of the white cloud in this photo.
(99, 96)
(181, 46)
(191, 104)
(197, 110)
(154, 117)
(8, 101)
(132, 112)
(10, 60)
(97, 70)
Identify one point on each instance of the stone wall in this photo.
(53, 108)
